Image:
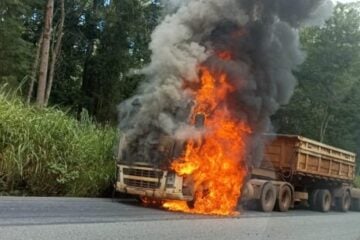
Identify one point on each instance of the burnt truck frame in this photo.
(295, 170)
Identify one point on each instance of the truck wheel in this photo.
(149, 202)
(343, 203)
(190, 204)
(323, 200)
(268, 197)
(355, 204)
(312, 199)
(143, 200)
(284, 199)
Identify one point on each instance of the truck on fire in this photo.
(294, 170)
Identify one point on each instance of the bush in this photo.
(47, 152)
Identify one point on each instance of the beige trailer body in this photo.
(303, 170)
(301, 156)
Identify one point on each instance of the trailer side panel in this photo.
(297, 155)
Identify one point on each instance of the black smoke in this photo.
(263, 38)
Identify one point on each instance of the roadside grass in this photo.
(47, 152)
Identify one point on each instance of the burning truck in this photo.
(194, 137)
(295, 169)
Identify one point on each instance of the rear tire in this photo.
(355, 204)
(343, 203)
(323, 200)
(268, 197)
(313, 198)
(283, 202)
(191, 204)
(142, 200)
(149, 202)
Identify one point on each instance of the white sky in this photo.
(345, 1)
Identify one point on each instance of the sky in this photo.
(344, 1)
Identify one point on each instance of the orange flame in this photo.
(225, 55)
(215, 163)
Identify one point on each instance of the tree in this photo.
(48, 51)
(325, 103)
(15, 51)
(79, 35)
(122, 45)
(84, 63)
(55, 51)
(45, 52)
(34, 68)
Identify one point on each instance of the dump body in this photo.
(296, 169)
(292, 156)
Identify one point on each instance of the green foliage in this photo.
(13, 48)
(357, 182)
(47, 152)
(325, 103)
(103, 40)
(121, 45)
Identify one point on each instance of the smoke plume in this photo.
(263, 38)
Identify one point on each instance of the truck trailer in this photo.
(294, 170)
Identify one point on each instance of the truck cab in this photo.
(149, 175)
(143, 180)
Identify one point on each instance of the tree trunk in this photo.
(88, 86)
(45, 48)
(35, 69)
(55, 53)
(324, 124)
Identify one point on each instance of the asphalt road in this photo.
(76, 218)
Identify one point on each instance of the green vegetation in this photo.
(357, 182)
(325, 105)
(46, 152)
(102, 42)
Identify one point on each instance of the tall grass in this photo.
(47, 152)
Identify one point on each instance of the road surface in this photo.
(76, 218)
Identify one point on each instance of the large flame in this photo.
(215, 162)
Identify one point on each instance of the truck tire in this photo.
(143, 200)
(355, 204)
(268, 197)
(323, 200)
(283, 202)
(312, 199)
(343, 203)
(149, 202)
(191, 204)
